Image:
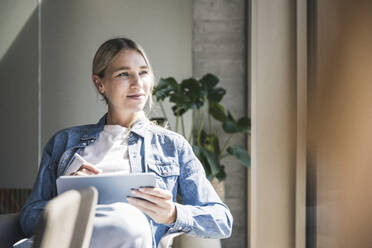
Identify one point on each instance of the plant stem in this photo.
(192, 126)
(183, 126)
(201, 123)
(197, 128)
(209, 121)
(164, 114)
(177, 117)
(226, 144)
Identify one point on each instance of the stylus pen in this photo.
(83, 161)
(78, 157)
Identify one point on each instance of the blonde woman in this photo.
(124, 140)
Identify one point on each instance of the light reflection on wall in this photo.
(13, 16)
(341, 124)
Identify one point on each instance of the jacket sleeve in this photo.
(201, 213)
(43, 190)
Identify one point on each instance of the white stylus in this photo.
(83, 161)
(78, 157)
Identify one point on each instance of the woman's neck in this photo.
(122, 119)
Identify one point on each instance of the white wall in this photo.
(71, 32)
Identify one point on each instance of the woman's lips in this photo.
(136, 96)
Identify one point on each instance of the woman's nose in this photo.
(136, 81)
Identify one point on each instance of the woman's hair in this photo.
(109, 49)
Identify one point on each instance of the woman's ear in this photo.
(98, 83)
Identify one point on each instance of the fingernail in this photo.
(134, 192)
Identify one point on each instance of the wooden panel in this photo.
(12, 200)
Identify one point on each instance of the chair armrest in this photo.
(10, 230)
(167, 240)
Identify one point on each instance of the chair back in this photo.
(67, 221)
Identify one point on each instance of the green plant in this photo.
(203, 98)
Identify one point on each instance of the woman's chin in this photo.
(134, 109)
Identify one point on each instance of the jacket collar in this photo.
(139, 128)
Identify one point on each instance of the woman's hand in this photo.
(157, 204)
(86, 170)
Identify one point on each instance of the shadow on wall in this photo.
(19, 108)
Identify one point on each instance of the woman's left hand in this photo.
(157, 204)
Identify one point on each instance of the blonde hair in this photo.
(108, 50)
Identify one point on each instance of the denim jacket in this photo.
(151, 149)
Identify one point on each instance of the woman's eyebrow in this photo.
(128, 68)
(121, 68)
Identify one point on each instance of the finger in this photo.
(80, 173)
(90, 168)
(87, 172)
(145, 206)
(162, 202)
(162, 193)
(151, 214)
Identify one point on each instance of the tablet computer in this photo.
(111, 187)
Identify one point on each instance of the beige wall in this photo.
(273, 79)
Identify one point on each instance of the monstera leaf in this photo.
(210, 162)
(215, 95)
(230, 125)
(193, 90)
(165, 88)
(217, 111)
(241, 154)
(209, 81)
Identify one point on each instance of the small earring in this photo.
(100, 87)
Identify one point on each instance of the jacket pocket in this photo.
(164, 169)
(166, 173)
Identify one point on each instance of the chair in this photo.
(67, 221)
(10, 230)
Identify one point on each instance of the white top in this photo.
(109, 153)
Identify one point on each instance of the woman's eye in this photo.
(123, 74)
(143, 72)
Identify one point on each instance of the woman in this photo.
(125, 141)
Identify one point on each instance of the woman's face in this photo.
(127, 82)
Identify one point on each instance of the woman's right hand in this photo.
(86, 170)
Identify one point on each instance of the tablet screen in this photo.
(111, 187)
